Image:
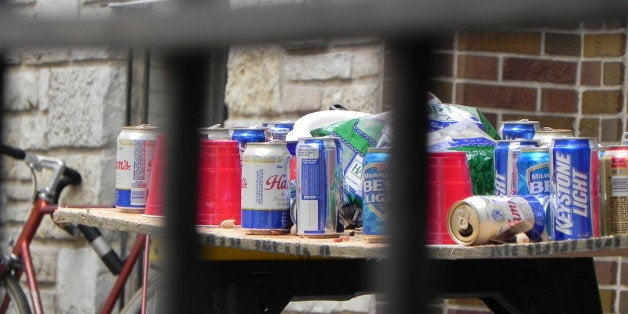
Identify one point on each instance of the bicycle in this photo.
(13, 265)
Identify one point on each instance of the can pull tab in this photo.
(464, 228)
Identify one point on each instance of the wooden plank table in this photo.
(556, 276)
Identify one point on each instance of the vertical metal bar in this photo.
(408, 280)
(189, 81)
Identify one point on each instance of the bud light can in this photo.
(505, 167)
(574, 200)
(319, 187)
(375, 193)
(134, 157)
(478, 220)
(250, 135)
(521, 129)
(265, 190)
(533, 177)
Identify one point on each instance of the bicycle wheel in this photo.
(154, 296)
(18, 302)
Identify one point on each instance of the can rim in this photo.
(140, 127)
(522, 121)
(255, 128)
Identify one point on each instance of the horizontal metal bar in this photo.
(211, 26)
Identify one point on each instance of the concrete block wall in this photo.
(68, 103)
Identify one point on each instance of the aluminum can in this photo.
(533, 177)
(134, 157)
(505, 167)
(574, 199)
(481, 219)
(521, 129)
(265, 188)
(375, 193)
(546, 135)
(250, 135)
(279, 130)
(319, 187)
(624, 139)
(614, 185)
(214, 134)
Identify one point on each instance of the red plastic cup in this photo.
(220, 182)
(449, 181)
(154, 204)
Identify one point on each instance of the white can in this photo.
(134, 157)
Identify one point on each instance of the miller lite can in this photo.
(505, 166)
(265, 188)
(319, 187)
(574, 199)
(134, 157)
(521, 129)
(478, 220)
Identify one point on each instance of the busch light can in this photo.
(375, 193)
(614, 187)
(265, 188)
(250, 135)
(134, 157)
(319, 187)
(505, 167)
(546, 135)
(478, 220)
(574, 200)
(533, 177)
(521, 129)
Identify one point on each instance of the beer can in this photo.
(624, 139)
(505, 167)
(533, 177)
(546, 135)
(574, 187)
(250, 135)
(375, 193)
(265, 188)
(519, 129)
(481, 219)
(279, 130)
(134, 156)
(214, 134)
(319, 187)
(614, 176)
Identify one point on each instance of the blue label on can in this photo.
(533, 175)
(375, 187)
(266, 219)
(513, 130)
(539, 206)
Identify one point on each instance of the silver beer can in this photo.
(211, 133)
(546, 135)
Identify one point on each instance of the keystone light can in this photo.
(533, 177)
(250, 135)
(574, 200)
(375, 193)
(478, 220)
(265, 188)
(134, 157)
(614, 176)
(505, 167)
(319, 187)
(546, 135)
(520, 129)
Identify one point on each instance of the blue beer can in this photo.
(505, 167)
(248, 135)
(574, 202)
(533, 177)
(520, 129)
(319, 187)
(279, 130)
(375, 191)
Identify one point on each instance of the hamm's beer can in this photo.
(265, 188)
(614, 176)
(533, 177)
(521, 129)
(134, 157)
(481, 219)
(375, 193)
(319, 187)
(546, 135)
(505, 167)
(574, 200)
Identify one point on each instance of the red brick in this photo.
(563, 44)
(442, 64)
(607, 298)
(596, 102)
(477, 67)
(615, 23)
(506, 97)
(445, 42)
(556, 122)
(559, 100)
(589, 127)
(606, 272)
(590, 73)
(611, 130)
(561, 72)
(604, 45)
(501, 41)
(442, 90)
(491, 117)
(593, 24)
(613, 73)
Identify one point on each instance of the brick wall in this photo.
(68, 103)
(571, 77)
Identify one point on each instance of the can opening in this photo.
(464, 228)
